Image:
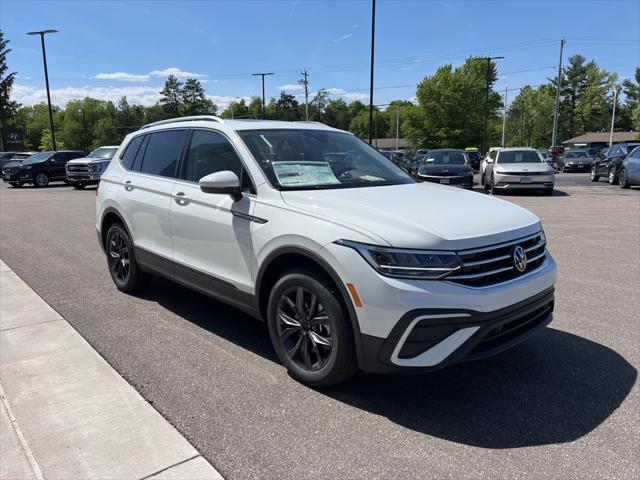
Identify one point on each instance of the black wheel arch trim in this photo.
(316, 258)
(102, 235)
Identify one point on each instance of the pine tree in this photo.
(8, 108)
(171, 96)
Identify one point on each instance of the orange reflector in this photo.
(354, 295)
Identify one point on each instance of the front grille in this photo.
(78, 168)
(523, 174)
(491, 265)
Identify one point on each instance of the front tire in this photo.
(594, 176)
(492, 185)
(79, 186)
(16, 184)
(121, 259)
(612, 176)
(624, 179)
(310, 330)
(41, 180)
(548, 191)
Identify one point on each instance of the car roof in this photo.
(513, 149)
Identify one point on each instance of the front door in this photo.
(212, 232)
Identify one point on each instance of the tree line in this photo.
(449, 111)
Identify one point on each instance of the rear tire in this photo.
(310, 329)
(594, 176)
(121, 260)
(16, 184)
(623, 178)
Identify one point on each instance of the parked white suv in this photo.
(351, 263)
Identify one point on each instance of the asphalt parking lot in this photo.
(563, 404)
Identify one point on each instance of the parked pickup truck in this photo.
(87, 171)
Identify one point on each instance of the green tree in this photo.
(450, 111)
(46, 142)
(194, 99)
(8, 108)
(359, 124)
(288, 107)
(318, 105)
(255, 108)
(631, 92)
(529, 118)
(396, 111)
(337, 114)
(236, 109)
(171, 96)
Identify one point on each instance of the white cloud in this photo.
(176, 72)
(122, 77)
(222, 101)
(291, 87)
(28, 95)
(342, 93)
(344, 37)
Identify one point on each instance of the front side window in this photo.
(300, 159)
(210, 152)
(163, 152)
(38, 157)
(519, 156)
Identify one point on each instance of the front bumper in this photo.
(577, 167)
(461, 316)
(83, 177)
(464, 181)
(523, 181)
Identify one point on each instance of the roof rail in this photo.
(196, 118)
(308, 121)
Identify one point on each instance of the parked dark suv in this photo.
(609, 166)
(41, 168)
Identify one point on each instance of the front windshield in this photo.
(575, 155)
(103, 152)
(38, 157)
(318, 159)
(446, 157)
(519, 156)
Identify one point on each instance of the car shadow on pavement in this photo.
(526, 193)
(556, 387)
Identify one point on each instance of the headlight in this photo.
(543, 236)
(406, 263)
(27, 167)
(95, 167)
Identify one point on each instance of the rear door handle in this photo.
(128, 186)
(180, 199)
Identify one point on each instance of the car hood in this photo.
(441, 169)
(85, 160)
(13, 164)
(523, 167)
(419, 215)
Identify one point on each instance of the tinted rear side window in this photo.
(163, 152)
(130, 153)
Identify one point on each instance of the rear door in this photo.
(633, 166)
(57, 169)
(212, 232)
(145, 196)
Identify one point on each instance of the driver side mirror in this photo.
(489, 160)
(225, 182)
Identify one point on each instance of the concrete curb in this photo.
(66, 413)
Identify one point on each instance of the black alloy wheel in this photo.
(310, 329)
(121, 260)
(79, 185)
(304, 328)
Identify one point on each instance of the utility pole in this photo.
(486, 102)
(46, 80)
(397, 124)
(613, 114)
(556, 115)
(305, 83)
(373, 38)
(504, 114)
(264, 74)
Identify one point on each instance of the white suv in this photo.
(351, 263)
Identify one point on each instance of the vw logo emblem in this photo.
(520, 259)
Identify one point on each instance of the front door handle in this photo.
(180, 199)
(128, 186)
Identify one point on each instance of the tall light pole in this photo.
(373, 37)
(556, 114)
(613, 114)
(504, 114)
(486, 102)
(42, 33)
(263, 74)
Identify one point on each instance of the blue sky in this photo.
(107, 49)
